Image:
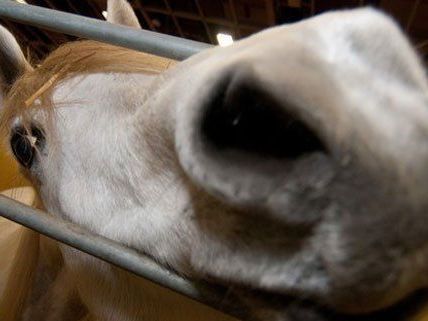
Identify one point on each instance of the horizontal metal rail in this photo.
(75, 25)
(112, 252)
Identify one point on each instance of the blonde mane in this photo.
(34, 88)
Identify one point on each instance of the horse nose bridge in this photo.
(379, 120)
(390, 130)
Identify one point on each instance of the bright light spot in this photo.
(224, 39)
(21, 1)
(32, 139)
(104, 13)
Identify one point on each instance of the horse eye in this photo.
(24, 144)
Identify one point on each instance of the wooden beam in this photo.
(234, 18)
(312, 7)
(204, 21)
(270, 10)
(146, 16)
(174, 18)
(72, 7)
(422, 47)
(97, 9)
(412, 14)
(191, 16)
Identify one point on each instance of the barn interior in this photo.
(204, 20)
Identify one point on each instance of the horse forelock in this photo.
(34, 89)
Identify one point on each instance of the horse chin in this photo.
(297, 309)
(392, 304)
(406, 309)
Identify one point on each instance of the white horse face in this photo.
(293, 162)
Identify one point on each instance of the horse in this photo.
(289, 168)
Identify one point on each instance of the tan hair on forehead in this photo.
(79, 57)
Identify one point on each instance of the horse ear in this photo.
(120, 12)
(12, 61)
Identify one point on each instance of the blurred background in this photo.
(203, 20)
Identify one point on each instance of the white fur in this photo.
(127, 159)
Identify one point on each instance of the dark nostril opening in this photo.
(24, 143)
(247, 119)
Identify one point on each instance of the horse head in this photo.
(291, 164)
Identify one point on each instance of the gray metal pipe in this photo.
(75, 25)
(112, 252)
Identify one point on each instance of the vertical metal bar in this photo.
(143, 40)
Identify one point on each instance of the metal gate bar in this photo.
(72, 234)
(75, 25)
(112, 252)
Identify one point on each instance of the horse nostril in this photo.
(245, 118)
(24, 143)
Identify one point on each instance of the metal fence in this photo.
(71, 234)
